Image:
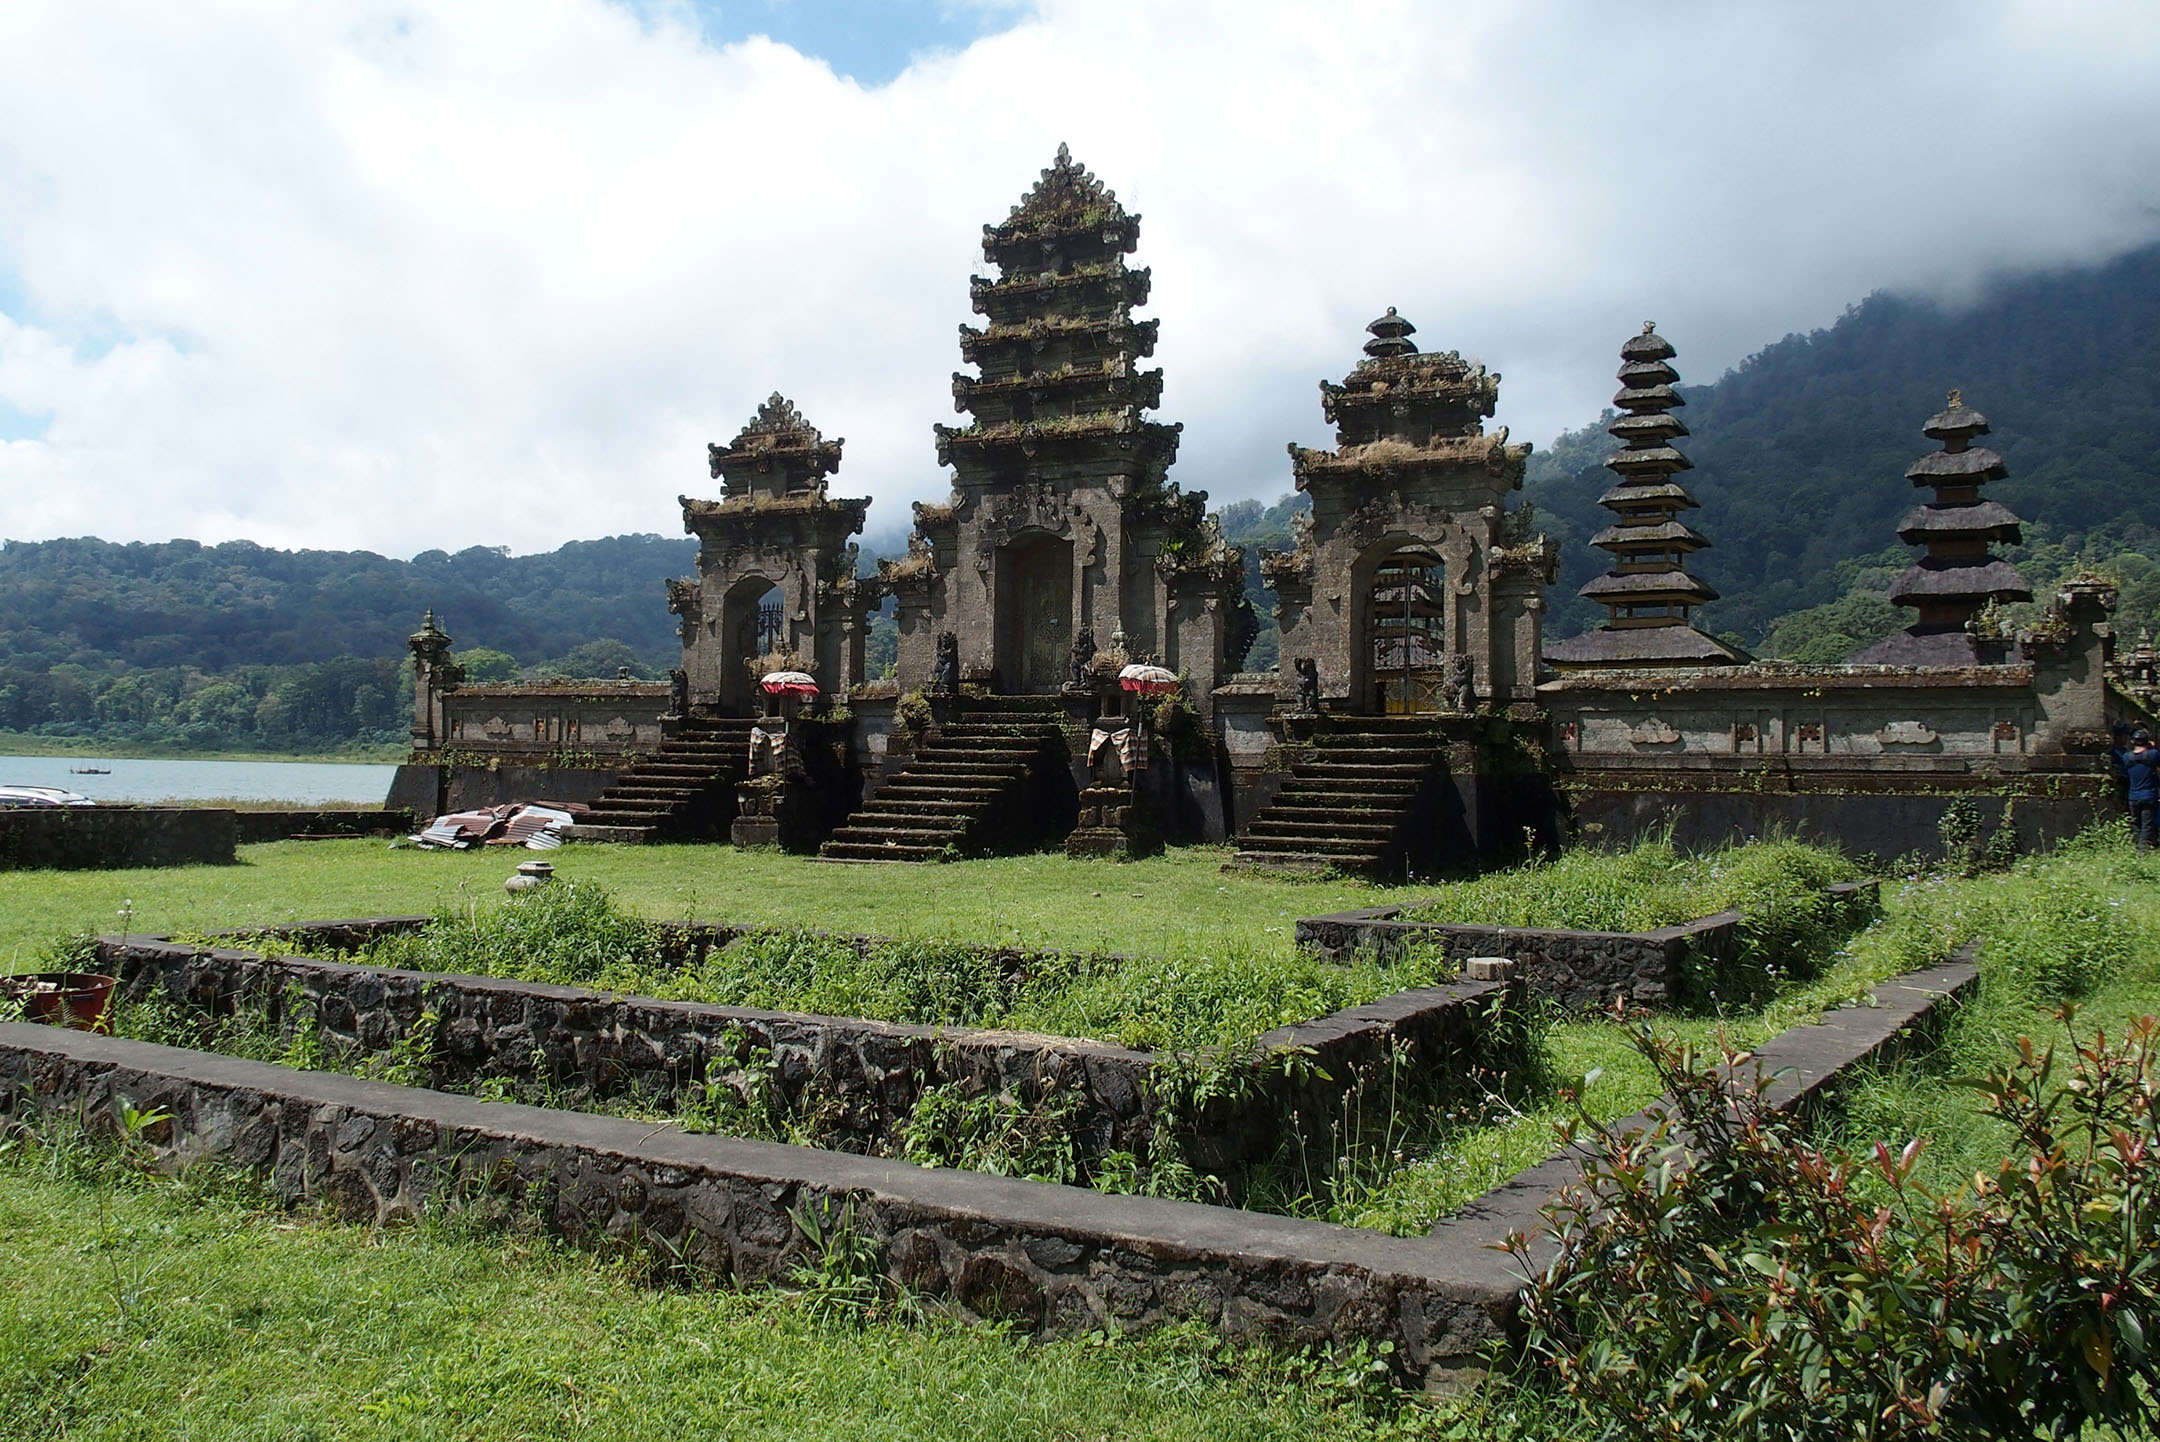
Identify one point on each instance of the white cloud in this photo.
(450, 272)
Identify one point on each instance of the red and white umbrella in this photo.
(1148, 680)
(788, 683)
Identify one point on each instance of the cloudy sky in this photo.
(398, 274)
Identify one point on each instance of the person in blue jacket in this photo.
(2141, 767)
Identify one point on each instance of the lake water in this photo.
(314, 783)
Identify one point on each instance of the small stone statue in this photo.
(1461, 683)
(1083, 656)
(678, 691)
(1308, 684)
(945, 674)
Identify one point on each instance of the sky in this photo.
(405, 274)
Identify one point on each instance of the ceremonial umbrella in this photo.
(1148, 680)
(788, 683)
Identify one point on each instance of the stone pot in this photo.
(529, 875)
(81, 1000)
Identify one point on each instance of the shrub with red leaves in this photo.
(1720, 1274)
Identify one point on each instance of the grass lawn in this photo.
(138, 1309)
(1179, 901)
(141, 1309)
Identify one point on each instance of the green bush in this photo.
(1720, 1274)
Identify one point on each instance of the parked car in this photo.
(41, 796)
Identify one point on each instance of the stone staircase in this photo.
(685, 791)
(995, 778)
(1353, 805)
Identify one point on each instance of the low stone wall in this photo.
(1884, 825)
(1055, 1259)
(1582, 970)
(98, 838)
(256, 826)
(1802, 1067)
(470, 787)
(861, 1077)
(1060, 1260)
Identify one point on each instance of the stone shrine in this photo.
(1412, 588)
(776, 570)
(1959, 577)
(1062, 517)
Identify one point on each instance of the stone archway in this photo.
(1034, 613)
(1398, 659)
(753, 620)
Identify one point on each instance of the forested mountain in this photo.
(181, 603)
(236, 645)
(1800, 453)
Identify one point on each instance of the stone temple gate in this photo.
(1413, 588)
(776, 586)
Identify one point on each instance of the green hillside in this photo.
(235, 646)
(1800, 453)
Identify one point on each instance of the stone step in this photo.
(852, 851)
(1013, 751)
(1311, 799)
(1271, 861)
(1391, 792)
(920, 789)
(1378, 771)
(1374, 756)
(616, 835)
(1029, 736)
(1321, 828)
(909, 806)
(973, 766)
(1312, 846)
(1036, 705)
(886, 839)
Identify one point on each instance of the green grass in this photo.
(1179, 900)
(139, 1310)
(1639, 889)
(202, 1314)
(2082, 924)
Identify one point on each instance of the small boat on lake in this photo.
(89, 771)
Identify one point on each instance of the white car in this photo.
(41, 796)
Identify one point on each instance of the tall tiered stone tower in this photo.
(1648, 594)
(1061, 516)
(1959, 576)
(1413, 588)
(773, 529)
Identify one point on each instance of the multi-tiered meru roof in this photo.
(1959, 576)
(1648, 594)
(1057, 359)
(1405, 411)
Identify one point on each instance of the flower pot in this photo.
(78, 999)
